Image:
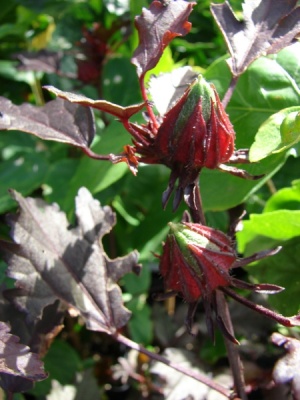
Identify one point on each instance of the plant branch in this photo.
(197, 213)
(285, 321)
(95, 156)
(145, 98)
(223, 311)
(230, 91)
(37, 90)
(186, 371)
(232, 349)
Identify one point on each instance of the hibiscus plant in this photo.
(217, 141)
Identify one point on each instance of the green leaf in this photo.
(219, 74)
(15, 142)
(290, 130)
(277, 225)
(221, 191)
(57, 180)
(61, 362)
(140, 284)
(140, 324)
(94, 174)
(10, 29)
(8, 70)
(258, 95)
(283, 270)
(136, 7)
(25, 174)
(280, 221)
(290, 64)
(280, 132)
(212, 352)
(165, 64)
(142, 200)
(286, 198)
(120, 83)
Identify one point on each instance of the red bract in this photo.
(94, 50)
(96, 44)
(197, 261)
(195, 133)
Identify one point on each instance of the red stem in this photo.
(232, 349)
(145, 98)
(223, 311)
(197, 214)
(95, 156)
(285, 321)
(230, 91)
(186, 371)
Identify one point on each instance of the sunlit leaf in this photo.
(43, 60)
(50, 261)
(103, 105)
(280, 132)
(58, 120)
(257, 96)
(157, 26)
(267, 27)
(18, 362)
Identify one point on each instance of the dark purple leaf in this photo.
(50, 261)
(15, 384)
(43, 60)
(38, 336)
(18, 362)
(157, 26)
(287, 368)
(123, 113)
(267, 27)
(58, 120)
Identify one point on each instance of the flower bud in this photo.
(196, 132)
(196, 260)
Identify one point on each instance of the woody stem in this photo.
(232, 349)
(223, 312)
(197, 213)
(186, 371)
(230, 91)
(145, 98)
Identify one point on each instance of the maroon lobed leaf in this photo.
(268, 27)
(58, 120)
(17, 361)
(43, 60)
(157, 26)
(123, 113)
(50, 261)
(38, 336)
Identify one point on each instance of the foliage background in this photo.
(56, 171)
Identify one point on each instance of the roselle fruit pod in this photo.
(196, 132)
(196, 260)
(196, 263)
